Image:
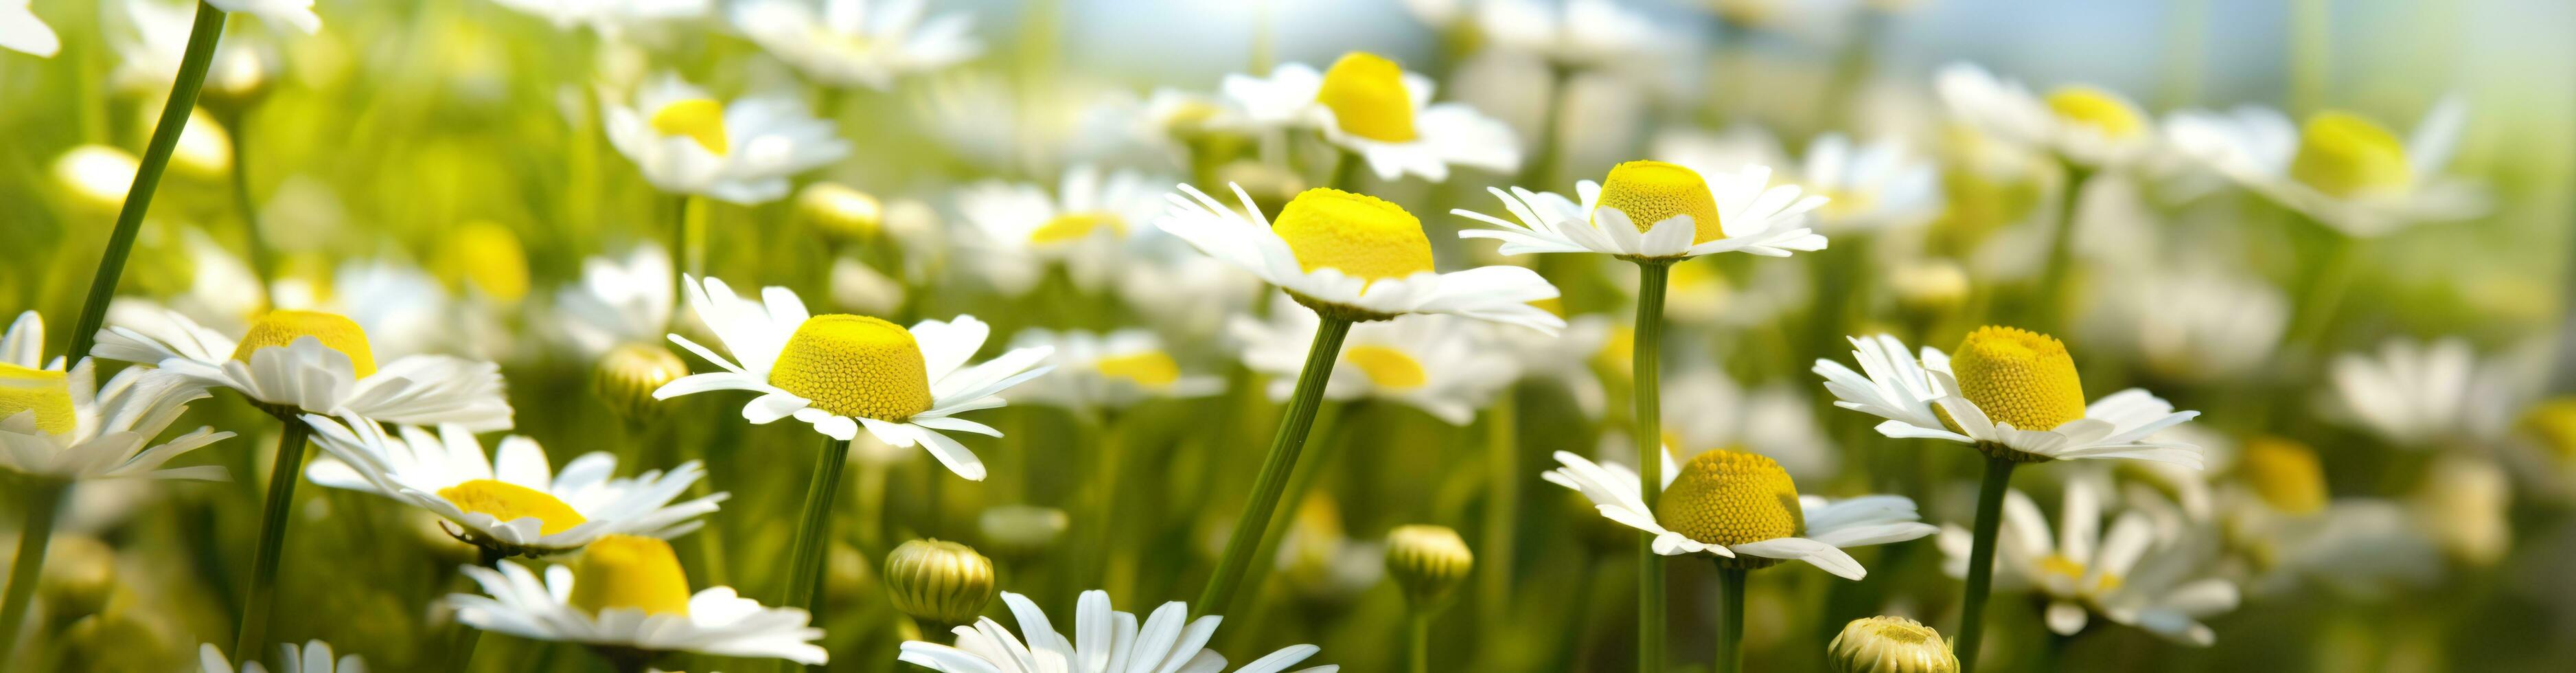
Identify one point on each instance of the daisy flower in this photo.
(618, 301)
(1085, 225)
(2002, 381)
(62, 425)
(1741, 507)
(1651, 210)
(22, 31)
(611, 19)
(313, 657)
(1354, 257)
(858, 42)
(2341, 169)
(2084, 125)
(1104, 641)
(1872, 186)
(2420, 396)
(511, 503)
(1433, 363)
(628, 599)
(317, 363)
(1113, 371)
(842, 372)
(2140, 572)
(1370, 107)
(686, 142)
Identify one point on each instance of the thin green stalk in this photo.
(1730, 619)
(1345, 171)
(260, 266)
(688, 242)
(2326, 288)
(44, 500)
(1541, 169)
(1502, 509)
(814, 529)
(1103, 498)
(1651, 279)
(147, 176)
(462, 639)
(1981, 561)
(2050, 295)
(282, 477)
(1275, 469)
(1418, 640)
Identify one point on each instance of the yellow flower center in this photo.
(1362, 235)
(488, 256)
(1073, 226)
(2061, 566)
(2285, 473)
(627, 571)
(335, 331)
(855, 366)
(2554, 421)
(1152, 369)
(701, 119)
(1653, 191)
(1367, 95)
(1729, 498)
(511, 502)
(47, 393)
(2343, 154)
(2019, 377)
(2104, 111)
(1386, 367)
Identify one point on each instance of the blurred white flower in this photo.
(313, 657)
(1678, 214)
(62, 425)
(858, 42)
(296, 13)
(2464, 505)
(859, 287)
(685, 142)
(511, 502)
(1773, 420)
(2084, 125)
(2342, 170)
(1104, 640)
(1564, 358)
(2427, 396)
(1872, 186)
(21, 30)
(2197, 323)
(1592, 34)
(1433, 363)
(1375, 110)
(1095, 372)
(637, 604)
(611, 19)
(1089, 224)
(2143, 572)
(618, 301)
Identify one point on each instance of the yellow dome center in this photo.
(2343, 154)
(1653, 191)
(487, 256)
(701, 119)
(1074, 226)
(2104, 111)
(2019, 377)
(336, 332)
(1152, 369)
(1367, 95)
(2059, 565)
(855, 366)
(1729, 498)
(627, 571)
(1362, 235)
(1386, 367)
(2285, 473)
(48, 393)
(511, 502)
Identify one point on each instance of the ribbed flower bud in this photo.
(626, 377)
(1427, 561)
(1889, 645)
(938, 582)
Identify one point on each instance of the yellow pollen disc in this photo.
(1729, 498)
(511, 502)
(627, 571)
(1653, 191)
(2343, 154)
(48, 393)
(2019, 377)
(335, 331)
(1072, 226)
(1386, 367)
(1367, 95)
(2060, 565)
(2104, 111)
(1152, 369)
(2285, 473)
(855, 366)
(488, 256)
(701, 119)
(1362, 235)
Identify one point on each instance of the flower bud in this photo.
(1427, 561)
(1889, 645)
(938, 582)
(79, 576)
(840, 213)
(627, 376)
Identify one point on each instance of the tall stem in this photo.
(1418, 640)
(282, 477)
(688, 243)
(44, 499)
(1502, 509)
(1345, 175)
(1730, 620)
(1275, 469)
(147, 176)
(2050, 294)
(814, 529)
(1651, 277)
(1981, 561)
(260, 266)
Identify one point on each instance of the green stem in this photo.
(1730, 619)
(463, 638)
(44, 500)
(2051, 292)
(282, 477)
(814, 529)
(260, 266)
(1345, 171)
(2324, 296)
(1540, 172)
(1981, 561)
(1651, 278)
(1418, 640)
(1502, 507)
(1275, 469)
(1104, 497)
(147, 176)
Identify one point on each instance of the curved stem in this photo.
(1418, 640)
(1651, 278)
(814, 529)
(1981, 561)
(282, 477)
(208, 28)
(44, 500)
(1275, 469)
(1730, 620)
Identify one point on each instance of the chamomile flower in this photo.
(1370, 107)
(1580, 33)
(1433, 363)
(22, 31)
(618, 301)
(611, 19)
(289, 361)
(2416, 395)
(686, 142)
(2002, 381)
(627, 598)
(2196, 324)
(152, 41)
(842, 372)
(1109, 371)
(1871, 186)
(1355, 256)
(2084, 125)
(858, 42)
(2340, 169)
(313, 657)
(62, 425)
(511, 503)
(296, 13)
(2141, 572)
(1104, 640)
(1657, 210)
(1086, 225)
(1742, 508)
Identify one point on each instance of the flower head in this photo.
(628, 595)
(61, 424)
(1104, 640)
(314, 656)
(1743, 509)
(2012, 393)
(511, 502)
(2341, 169)
(1657, 210)
(1372, 108)
(858, 42)
(686, 142)
(1889, 645)
(1355, 257)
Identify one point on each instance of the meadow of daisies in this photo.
(1170, 336)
